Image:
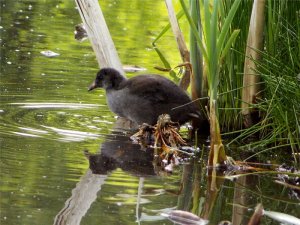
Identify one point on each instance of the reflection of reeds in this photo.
(98, 34)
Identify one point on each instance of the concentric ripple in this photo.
(66, 122)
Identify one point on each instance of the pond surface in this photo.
(48, 122)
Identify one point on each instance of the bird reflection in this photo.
(118, 151)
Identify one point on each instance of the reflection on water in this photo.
(73, 135)
(119, 152)
(46, 105)
(115, 153)
(47, 117)
(48, 120)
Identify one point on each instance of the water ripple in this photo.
(73, 135)
(55, 121)
(26, 134)
(37, 105)
(32, 130)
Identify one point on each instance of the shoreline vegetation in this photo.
(244, 69)
(244, 56)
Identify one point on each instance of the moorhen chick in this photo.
(143, 98)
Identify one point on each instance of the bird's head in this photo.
(107, 78)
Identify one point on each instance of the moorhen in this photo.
(143, 98)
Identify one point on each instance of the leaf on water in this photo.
(282, 217)
(80, 33)
(49, 53)
(184, 218)
(133, 68)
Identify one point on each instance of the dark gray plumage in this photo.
(143, 98)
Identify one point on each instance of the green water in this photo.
(48, 119)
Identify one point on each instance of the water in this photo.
(48, 119)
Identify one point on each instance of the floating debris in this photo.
(133, 68)
(165, 134)
(184, 218)
(283, 218)
(166, 141)
(144, 136)
(80, 32)
(291, 182)
(49, 53)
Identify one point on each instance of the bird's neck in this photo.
(117, 84)
(120, 83)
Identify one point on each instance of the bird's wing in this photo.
(155, 89)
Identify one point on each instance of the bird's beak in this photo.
(92, 86)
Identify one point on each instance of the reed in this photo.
(251, 80)
(214, 42)
(278, 68)
(218, 43)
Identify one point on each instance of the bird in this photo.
(143, 98)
